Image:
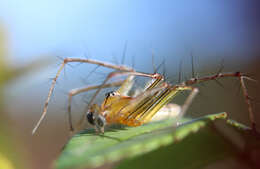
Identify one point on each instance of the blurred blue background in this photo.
(100, 28)
(171, 30)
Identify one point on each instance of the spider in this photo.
(119, 107)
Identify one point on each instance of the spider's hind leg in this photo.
(241, 78)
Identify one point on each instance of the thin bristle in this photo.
(124, 53)
(180, 72)
(192, 66)
(153, 62)
(221, 66)
(219, 83)
(160, 65)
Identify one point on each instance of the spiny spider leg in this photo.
(238, 75)
(68, 60)
(167, 96)
(144, 106)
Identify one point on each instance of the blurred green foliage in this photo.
(6, 157)
(9, 155)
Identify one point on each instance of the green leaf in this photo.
(87, 149)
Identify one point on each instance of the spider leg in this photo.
(126, 85)
(78, 60)
(126, 110)
(241, 78)
(143, 107)
(164, 98)
(188, 101)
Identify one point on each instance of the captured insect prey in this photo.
(121, 106)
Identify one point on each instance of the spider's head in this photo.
(98, 121)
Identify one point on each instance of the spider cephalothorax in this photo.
(96, 116)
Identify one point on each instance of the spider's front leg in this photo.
(77, 60)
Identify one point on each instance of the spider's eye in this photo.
(90, 118)
(112, 93)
